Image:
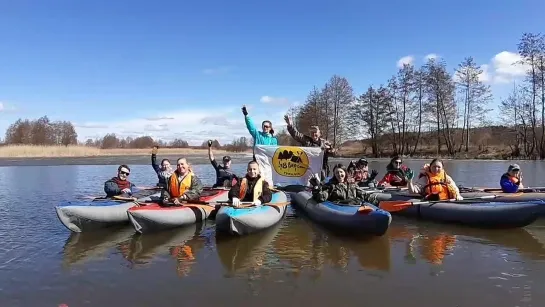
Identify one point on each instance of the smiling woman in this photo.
(34, 151)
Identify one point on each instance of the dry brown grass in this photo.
(32, 151)
(355, 150)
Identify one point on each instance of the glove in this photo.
(257, 203)
(374, 174)
(410, 174)
(244, 111)
(236, 202)
(314, 181)
(209, 143)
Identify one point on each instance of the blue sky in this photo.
(164, 68)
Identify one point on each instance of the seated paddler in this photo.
(511, 181)
(338, 188)
(163, 171)
(119, 185)
(252, 188)
(183, 185)
(224, 174)
(434, 183)
(359, 171)
(395, 173)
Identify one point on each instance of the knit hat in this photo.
(513, 167)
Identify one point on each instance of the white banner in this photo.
(289, 165)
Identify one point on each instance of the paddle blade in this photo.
(394, 205)
(365, 210)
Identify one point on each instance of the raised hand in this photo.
(244, 111)
(374, 174)
(287, 119)
(154, 150)
(409, 174)
(209, 143)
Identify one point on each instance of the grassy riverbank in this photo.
(31, 151)
(354, 150)
(357, 150)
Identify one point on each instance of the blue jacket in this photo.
(507, 186)
(260, 137)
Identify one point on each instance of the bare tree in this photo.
(370, 112)
(475, 93)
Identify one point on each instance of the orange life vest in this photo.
(176, 188)
(258, 188)
(437, 185)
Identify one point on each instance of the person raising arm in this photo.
(224, 175)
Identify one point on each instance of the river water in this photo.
(295, 263)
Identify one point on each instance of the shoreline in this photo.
(84, 155)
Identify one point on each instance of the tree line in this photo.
(44, 132)
(427, 109)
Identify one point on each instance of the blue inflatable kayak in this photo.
(371, 221)
(241, 221)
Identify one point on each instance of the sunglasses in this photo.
(397, 162)
(124, 173)
(266, 126)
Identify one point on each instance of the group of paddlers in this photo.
(181, 184)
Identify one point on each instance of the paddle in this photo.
(230, 203)
(523, 190)
(398, 205)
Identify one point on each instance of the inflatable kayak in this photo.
(153, 217)
(80, 216)
(371, 221)
(242, 221)
(376, 196)
(486, 213)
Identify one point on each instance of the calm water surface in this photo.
(295, 263)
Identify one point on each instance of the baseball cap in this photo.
(513, 167)
(226, 158)
(362, 161)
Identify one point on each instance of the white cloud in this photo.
(503, 68)
(408, 59)
(5, 107)
(431, 56)
(274, 100)
(218, 70)
(506, 67)
(193, 126)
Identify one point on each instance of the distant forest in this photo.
(419, 111)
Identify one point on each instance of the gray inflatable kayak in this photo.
(242, 221)
(80, 216)
(376, 196)
(343, 217)
(487, 213)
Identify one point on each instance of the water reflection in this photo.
(304, 245)
(181, 244)
(88, 246)
(242, 253)
(434, 242)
